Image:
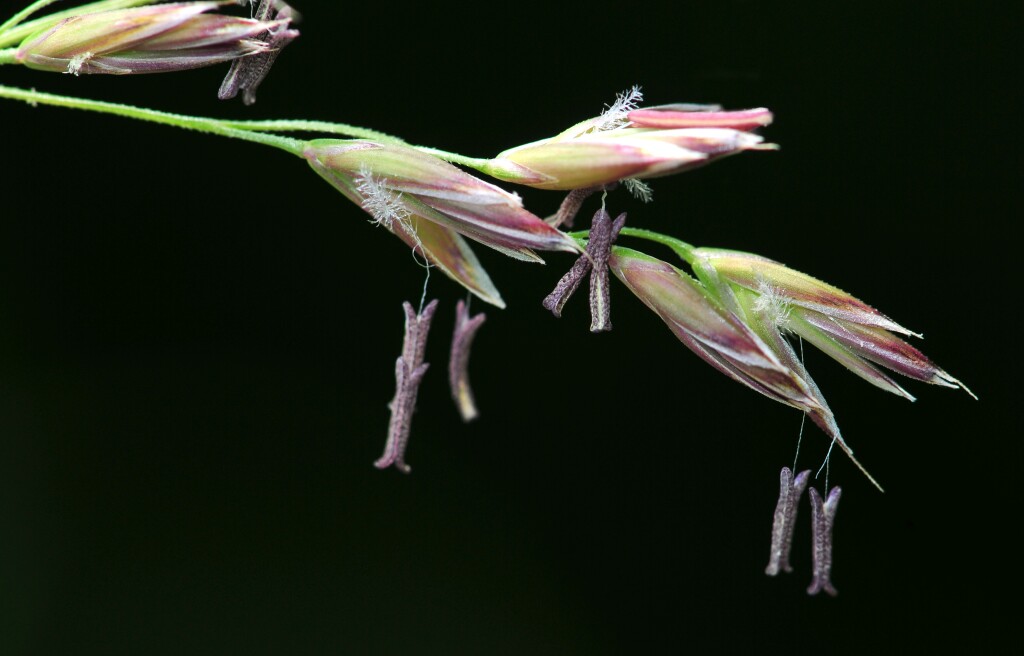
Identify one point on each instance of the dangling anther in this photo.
(409, 371)
(790, 491)
(458, 362)
(823, 516)
(247, 73)
(572, 203)
(603, 232)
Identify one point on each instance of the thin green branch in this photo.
(7, 56)
(25, 13)
(323, 127)
(477, 163)
(200, 124)
(355, 132)
(678, 246)
(255, 131)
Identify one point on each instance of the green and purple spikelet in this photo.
(156, 39)
(736, 315)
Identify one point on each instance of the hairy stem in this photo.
(477, 163)
(323, 127)
(200, 124)
(354, 131)
(255, 131)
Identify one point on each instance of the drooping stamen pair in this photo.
(823, 516)
(410, 369)
(603, 233)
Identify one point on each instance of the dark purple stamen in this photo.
(603, 233)
(822, 518)
(567, 286)
(409, 371)
(247, 73)
(458, 362)
(600, 247)
(790, 491)
(571, 205)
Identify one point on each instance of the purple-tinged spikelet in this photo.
(156, 39)
(627, 142)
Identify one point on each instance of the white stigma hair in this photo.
(383, 204)
(616, 115)
(773, 303)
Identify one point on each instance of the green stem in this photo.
(355, 132)
(25, 13)
(7, 56)
(12, 33)
(316, 126)
(254, 131)
(200, 124)
(477, 163)
(678, 246)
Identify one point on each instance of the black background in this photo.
(198, 340)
